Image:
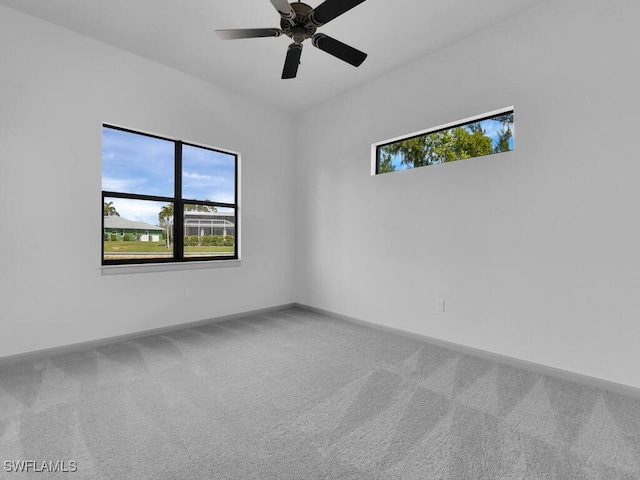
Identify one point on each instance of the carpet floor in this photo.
(298, 395)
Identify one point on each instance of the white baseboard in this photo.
(587, 380)
(81, 346)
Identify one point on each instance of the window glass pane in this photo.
(140, 175)
(209, 231)
(208, 175)
(135, 163)
(137, 229)
(467, 140)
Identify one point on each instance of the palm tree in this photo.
(200, 208)
(165, 220)
(110, 210)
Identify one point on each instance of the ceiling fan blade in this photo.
(330, 9)
(237, 33)
(284, 9)
(338, 49)
(292, 61)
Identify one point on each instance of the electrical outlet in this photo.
(440, 304)
(187, 293)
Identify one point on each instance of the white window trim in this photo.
(166, 267)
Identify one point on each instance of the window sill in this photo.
(166, 267)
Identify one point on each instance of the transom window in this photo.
(166, 200)
(482, 135)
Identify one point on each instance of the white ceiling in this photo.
(180, 34)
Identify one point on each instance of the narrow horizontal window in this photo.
(166, 200)
(475, 137)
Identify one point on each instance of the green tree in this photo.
(469, 143)
(110, 210)
(386, 164)
(200, 208)
(165, 220)
(502, 143)
(505, 118)
(440, 147)
(505, 135)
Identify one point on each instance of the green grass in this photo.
(208, 249)
(156, 247)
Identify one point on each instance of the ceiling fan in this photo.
(299, 21)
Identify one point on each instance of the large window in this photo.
(166, 200)
(483, 135)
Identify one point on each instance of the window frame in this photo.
(178, 208)
(375, 148)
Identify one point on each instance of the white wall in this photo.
(56, 90)
(536, 251)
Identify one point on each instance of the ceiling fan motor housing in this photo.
(301, 28)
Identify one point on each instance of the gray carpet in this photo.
(298, 395)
